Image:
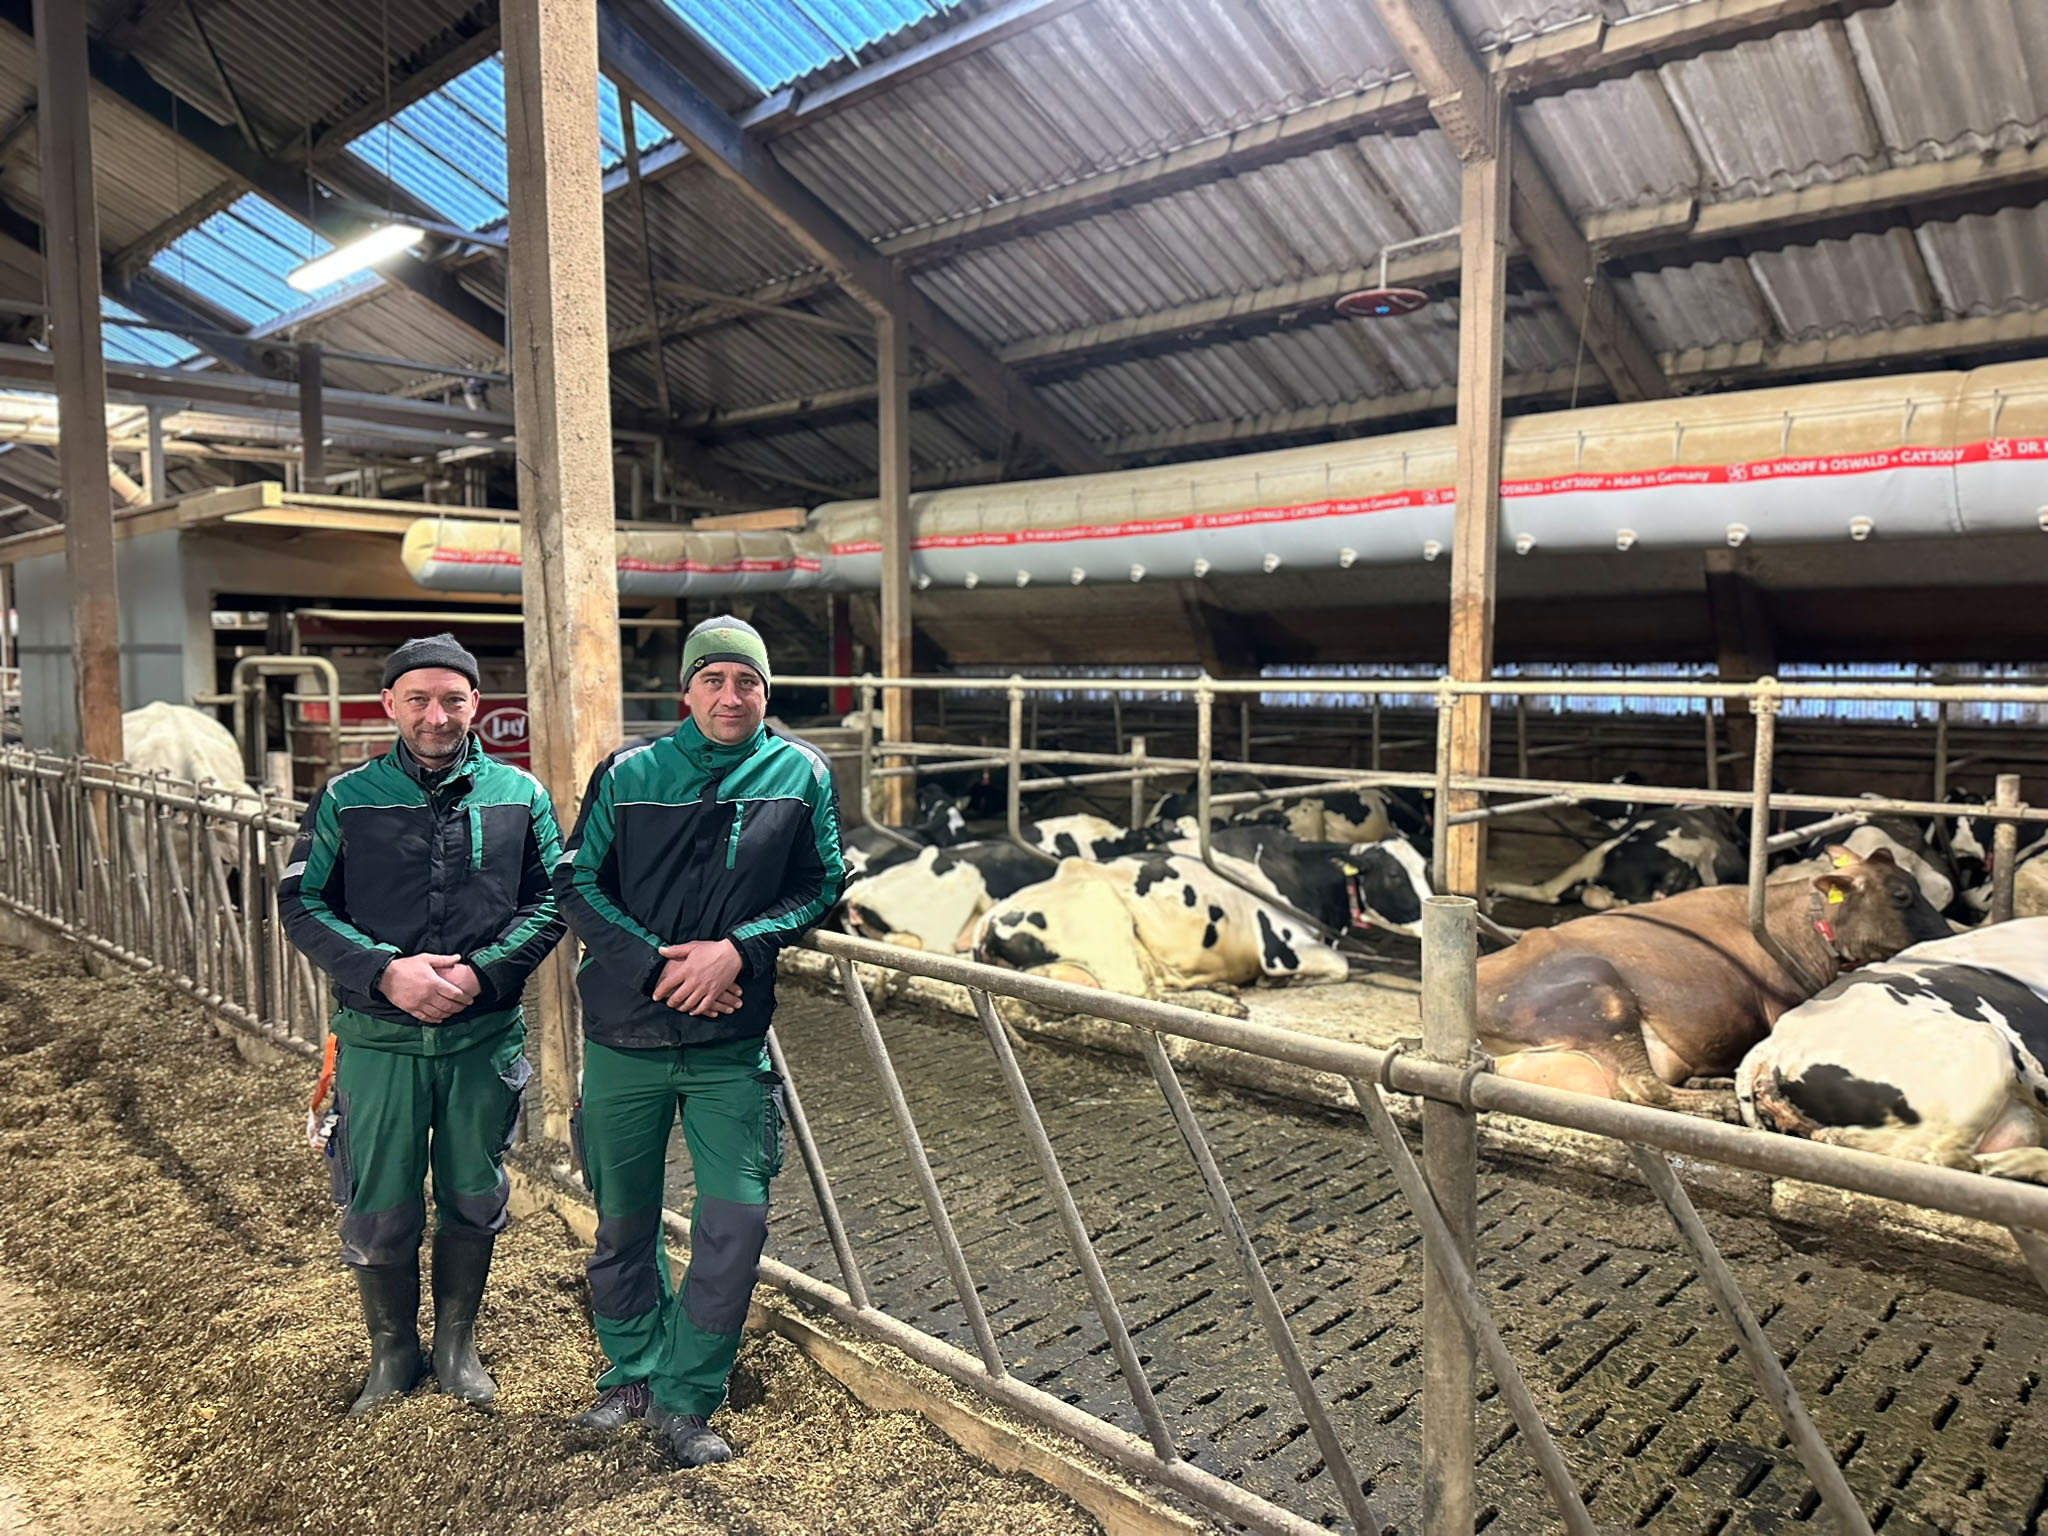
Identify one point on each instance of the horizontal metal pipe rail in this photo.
(1366, 687)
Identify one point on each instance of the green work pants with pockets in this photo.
(681, 1345)
(403, 1116)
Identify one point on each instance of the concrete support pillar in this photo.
(562, 409)
(312, 420)
(893, 344)
(71, 278)
(1475, 543)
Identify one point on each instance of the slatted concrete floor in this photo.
(1933, 1401)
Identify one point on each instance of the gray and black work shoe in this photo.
(686, 1439)
(616, 1407)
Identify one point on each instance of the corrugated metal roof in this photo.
(302, 65)
(1094, 89)
(1865, 283)
(772, 42)
(448, 148)
(1989, 264)
(1952, 76)
(1104, 86)
(134, 344)
(238, 260)
(1781, 112)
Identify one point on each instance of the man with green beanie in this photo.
(698, 856)
(421, 882)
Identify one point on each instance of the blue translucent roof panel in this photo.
(127, 344)
(448, 148)
(772, 42)
(238, 260)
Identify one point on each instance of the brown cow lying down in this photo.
(1627, 1004)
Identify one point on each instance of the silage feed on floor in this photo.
(159, 1202)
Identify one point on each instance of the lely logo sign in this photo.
(503, 727)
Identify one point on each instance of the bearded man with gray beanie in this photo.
(697, 858)
(421, 883)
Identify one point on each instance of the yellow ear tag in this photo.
(1841, 861)
(1834, 898)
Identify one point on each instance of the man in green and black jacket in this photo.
(697, 858)
(421, 882)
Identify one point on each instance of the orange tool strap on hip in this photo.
(326, 1073)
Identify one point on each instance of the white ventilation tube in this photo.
(1912, 456)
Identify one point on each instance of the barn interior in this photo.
(1330, 352)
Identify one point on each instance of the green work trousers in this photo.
(682, 1345)
(402, 1117)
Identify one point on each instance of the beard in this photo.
(436, 746)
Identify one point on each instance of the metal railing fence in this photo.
(179, 881)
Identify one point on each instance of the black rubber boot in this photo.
(462, 1262)
(686, 1438)
(391, 1312)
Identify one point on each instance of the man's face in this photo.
(432, 707)
(727, 700)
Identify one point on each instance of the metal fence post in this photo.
(1450, 1154)
(2005, 848)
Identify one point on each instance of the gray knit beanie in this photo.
(442, 650)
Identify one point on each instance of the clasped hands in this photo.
(700, 977)
(432, 988)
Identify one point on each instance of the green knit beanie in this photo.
(725, 638)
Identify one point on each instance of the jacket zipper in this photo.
(732, 841)
(476, 837)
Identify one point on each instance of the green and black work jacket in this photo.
(392, 861)
(682, 839)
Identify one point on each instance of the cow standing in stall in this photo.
(1630, 1004)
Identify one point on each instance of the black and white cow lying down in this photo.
(1970, 854)
(1934, 1055)
(1147, 924)
(1658, 853)
(1106, 917)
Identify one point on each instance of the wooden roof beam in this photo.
(1463, 99)
(283, 184)
(630, 40)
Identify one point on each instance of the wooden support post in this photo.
(71, 278)
(154, 483)
(1475, 541)
(562, 405)
(312, 420)
(1743, 647)
(892, 339)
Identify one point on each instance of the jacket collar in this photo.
(427, 779)
(702, 751)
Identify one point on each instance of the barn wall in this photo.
(166, 636)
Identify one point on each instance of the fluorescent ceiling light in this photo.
(365, 250)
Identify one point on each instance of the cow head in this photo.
(1387, 882)
(1871, 908)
